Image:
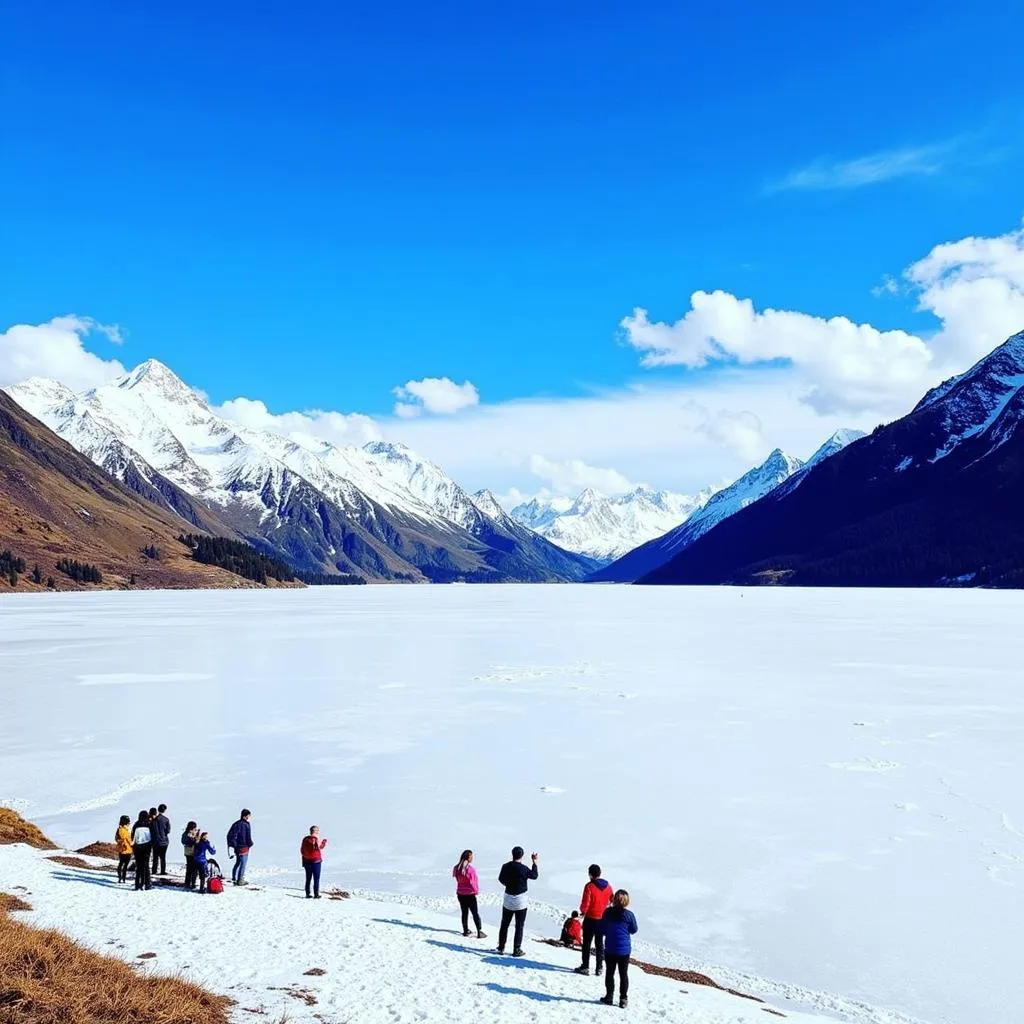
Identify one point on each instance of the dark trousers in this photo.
(202, 873)
(506, 918)
(312, 868)
(159, 859)
(143, 851)
(123, 860)
(592, 933)
(468, 905)
(190, 871)
(615, 963)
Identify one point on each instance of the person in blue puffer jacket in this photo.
(202, 850)
(617, 925)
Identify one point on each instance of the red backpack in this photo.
(215, 882)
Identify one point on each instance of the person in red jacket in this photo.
(312, 859)
(597, 894)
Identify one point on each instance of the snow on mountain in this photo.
(150, 424)
(968, 404)
(606, 527)
(427, 482)
(836, 443)
(540, 512)
(489, 505)
(753, 485)
(931, 499)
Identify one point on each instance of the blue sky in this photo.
(313, 206)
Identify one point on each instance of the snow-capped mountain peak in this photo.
(38, 393)
(489, 505)
(604, 527)
(838, 441)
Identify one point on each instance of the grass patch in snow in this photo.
(9, 902)
(98, 849)
(15, 829)
(47, 978)
(77, 862)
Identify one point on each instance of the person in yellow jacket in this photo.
(123, 839)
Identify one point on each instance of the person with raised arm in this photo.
(467, 888)
(201, 854)
(312, 849)
(515, 876)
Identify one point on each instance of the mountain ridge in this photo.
(930, 499)
(381, 511)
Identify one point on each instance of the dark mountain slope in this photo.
(932, 499)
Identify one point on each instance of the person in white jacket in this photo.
(142, 847)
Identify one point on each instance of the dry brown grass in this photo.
(98, 849)
(45, 978)
(8, 902)
(77, 862)
(673, 973)
(15, 829)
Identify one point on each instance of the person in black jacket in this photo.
(515, 877)
(239, 844)
(160, 827)
(189, 838)
(142, 845)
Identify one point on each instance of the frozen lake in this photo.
(822, 787)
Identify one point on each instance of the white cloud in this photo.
(975, 287)
(438, 395)
(768, 378)
(825, 174)
(740, 432)
(888, 286)
(340, 428)
(570, 476)
(55, 349)
(848, 367)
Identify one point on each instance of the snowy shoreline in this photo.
(340, 961)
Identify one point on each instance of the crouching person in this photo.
(201, 853)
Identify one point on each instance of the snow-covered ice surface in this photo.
(818, 787)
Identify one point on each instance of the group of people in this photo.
(604, 923)
(145, 844)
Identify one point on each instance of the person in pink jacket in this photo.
(467, 887)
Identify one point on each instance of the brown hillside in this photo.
(55, 503)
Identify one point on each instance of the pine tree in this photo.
(37, 574)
